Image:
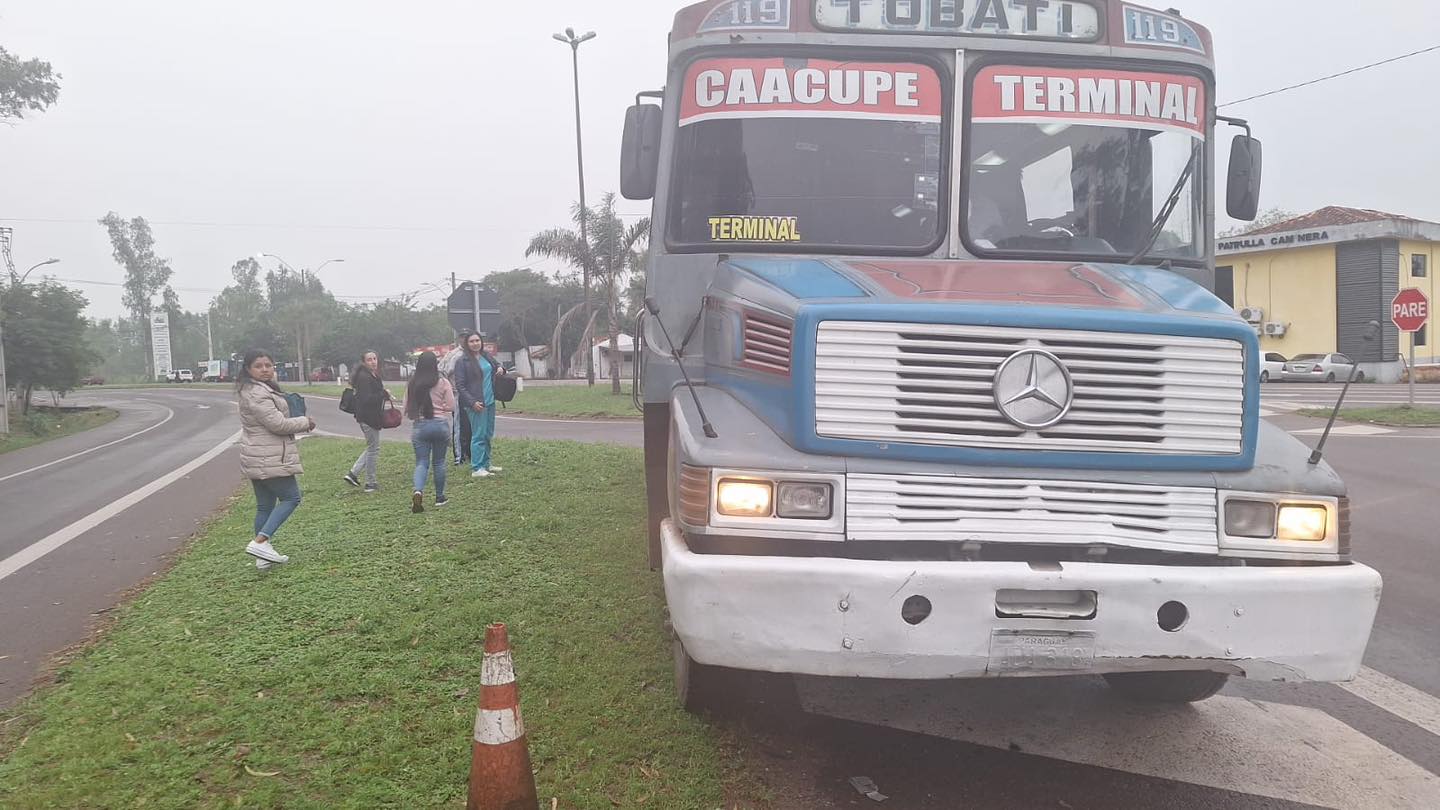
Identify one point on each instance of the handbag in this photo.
(347, 401)
(390, 417)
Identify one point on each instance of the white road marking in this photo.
(1398, 698)
(40, 548)
(169, 414)
(1266, 749)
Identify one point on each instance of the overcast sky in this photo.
(419, 139)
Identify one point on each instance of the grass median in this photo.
(348, 678)
(45, 424)
(1394, 416)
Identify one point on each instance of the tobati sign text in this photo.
(813, 88)
(1040, 95)
(754, 229)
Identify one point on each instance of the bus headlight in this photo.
(805, 500)
(734, 498)
(1306, 522)
(1282, 526)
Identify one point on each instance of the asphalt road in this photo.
(1054, 743)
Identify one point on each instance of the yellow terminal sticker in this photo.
(754, 229)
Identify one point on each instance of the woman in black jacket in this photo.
(370, 398)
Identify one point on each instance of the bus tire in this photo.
(697, 686)
(1167, 687)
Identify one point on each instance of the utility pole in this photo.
(574, 42)
(209, 339)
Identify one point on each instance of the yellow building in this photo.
(1311, 284)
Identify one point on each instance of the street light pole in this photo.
(574, 42)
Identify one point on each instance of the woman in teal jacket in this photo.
(475, 388)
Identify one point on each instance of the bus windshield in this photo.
(1083, 162)
(808, 153)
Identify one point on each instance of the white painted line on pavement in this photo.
(169, 414)
(40, 548)
(1396, 697)
(1346, 430)
(1269, 749)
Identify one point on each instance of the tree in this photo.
(44, 338)
(240, 317)
(145, 273)
(610, 252)
(25, 86)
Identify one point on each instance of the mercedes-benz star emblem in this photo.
(1033, 389)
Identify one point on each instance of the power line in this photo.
(1333, 76)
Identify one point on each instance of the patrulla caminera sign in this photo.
(1410, 310)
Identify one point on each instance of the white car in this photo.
(1321, 368)
(182, 375)
(1272, 367)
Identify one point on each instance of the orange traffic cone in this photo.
(500, 776)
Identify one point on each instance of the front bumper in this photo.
(840, 617)
(1303, 376)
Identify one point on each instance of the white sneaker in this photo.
(265, 552)
(480, 474)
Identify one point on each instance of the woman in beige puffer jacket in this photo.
(269, 453)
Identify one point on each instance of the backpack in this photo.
(504, 387)
(296, 403)
(347, 401)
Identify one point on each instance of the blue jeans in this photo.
(431, 440)
(275, 500)
(482, 429)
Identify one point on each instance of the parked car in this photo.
(181, 375)
(1272, 367)
(322, 375)
(93, 379)
(1320, 368)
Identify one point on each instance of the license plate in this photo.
(1020, 651)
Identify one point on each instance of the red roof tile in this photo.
(1329, 216)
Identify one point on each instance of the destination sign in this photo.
(1037, 19)
(813, 88)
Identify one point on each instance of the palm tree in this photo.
(610, 254)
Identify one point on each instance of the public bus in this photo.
(934, 383)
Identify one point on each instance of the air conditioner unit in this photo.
(1274, 329)
(1252, 314)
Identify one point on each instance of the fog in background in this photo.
(433, 137)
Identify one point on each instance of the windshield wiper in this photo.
(1158, 226)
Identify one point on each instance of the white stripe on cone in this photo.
(498, 726)
(497, 669)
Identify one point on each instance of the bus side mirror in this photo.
(1242, 190)
(640, 152)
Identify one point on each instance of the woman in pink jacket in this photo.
(430, 404)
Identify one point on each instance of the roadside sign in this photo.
(472, 306)
(1410, 310)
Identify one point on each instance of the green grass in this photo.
(1395, 415)
(352, 673)
(575, 401)
(44, 424)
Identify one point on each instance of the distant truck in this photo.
(219, 371)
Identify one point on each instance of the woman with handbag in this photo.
(430, 403)
(372, 400)
(475, 386)
(269, 453)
